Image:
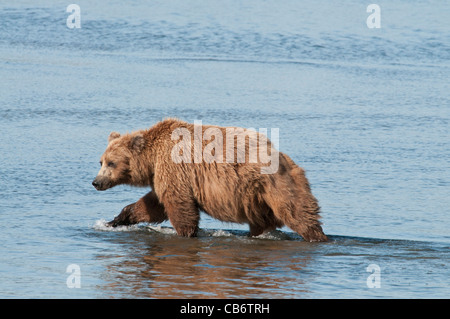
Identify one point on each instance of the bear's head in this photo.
(117, 160)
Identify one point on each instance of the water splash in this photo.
(101, 225)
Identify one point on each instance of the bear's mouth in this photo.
(101, 185)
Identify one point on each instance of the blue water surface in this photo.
(366, 112)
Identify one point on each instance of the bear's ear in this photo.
(137, 143)
(113, 136)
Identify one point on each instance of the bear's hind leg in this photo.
(301, 217)
(304, 221)
(147, 209)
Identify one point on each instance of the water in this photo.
(365, 111)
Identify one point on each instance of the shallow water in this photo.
(366, 112)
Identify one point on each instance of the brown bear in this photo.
(188, 173)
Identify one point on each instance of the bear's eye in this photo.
(111, 164)
(101, 163)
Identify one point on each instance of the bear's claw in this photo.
(124, 218)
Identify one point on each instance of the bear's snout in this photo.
(96, 184)
(99, 185)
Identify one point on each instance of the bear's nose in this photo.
(95, 183)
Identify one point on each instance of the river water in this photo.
(365, 111)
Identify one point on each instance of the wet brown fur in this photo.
(230, 192)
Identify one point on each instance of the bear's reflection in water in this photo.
(214, 265)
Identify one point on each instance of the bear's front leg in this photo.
(126, 217)
(184, 216)
(147, 209)
(255, 230)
